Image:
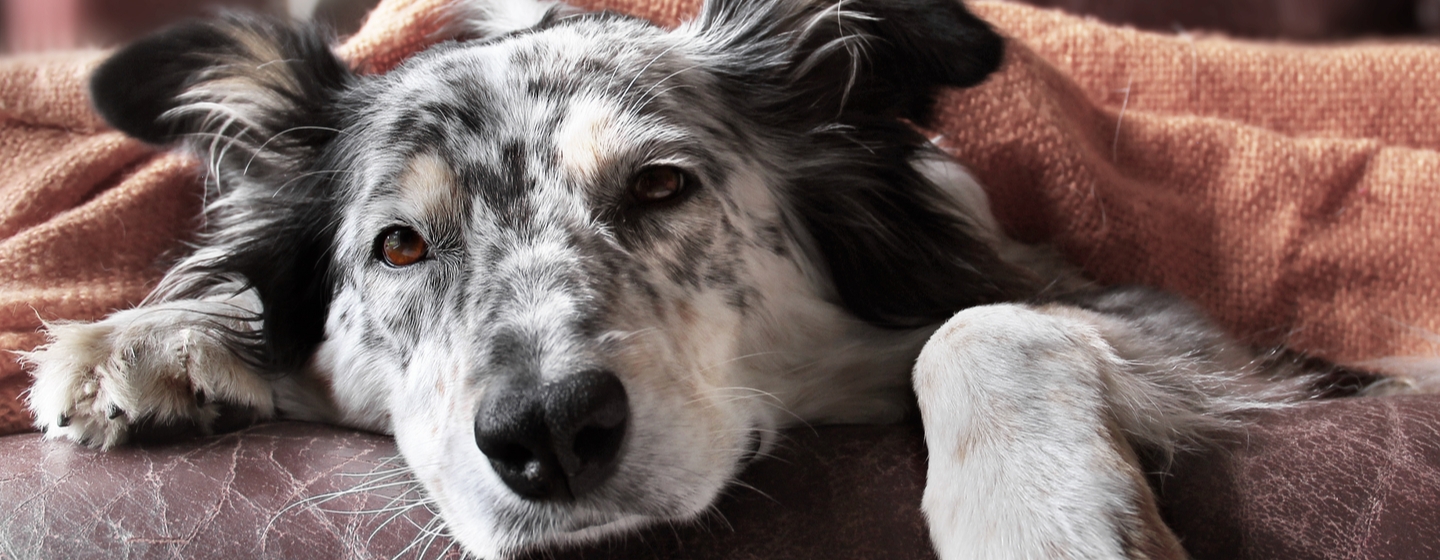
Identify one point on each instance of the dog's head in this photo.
(581, 265)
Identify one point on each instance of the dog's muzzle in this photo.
(556, 441)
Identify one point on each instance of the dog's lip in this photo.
(600, 526)
(589, 529)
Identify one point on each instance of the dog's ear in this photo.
(238, 78)
(261, 100)
(881, 58)
(482, 19)
(835, 82)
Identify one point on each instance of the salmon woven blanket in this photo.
(1290, 191)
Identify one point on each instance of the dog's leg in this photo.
(168, 363)
(1025, 456)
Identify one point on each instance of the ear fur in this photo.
(484, 19)
(238, 77)
(871, 57)
(260, 100)
(835, 82)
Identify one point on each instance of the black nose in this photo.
(556, 441)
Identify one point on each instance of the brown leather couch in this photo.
(1356, 478)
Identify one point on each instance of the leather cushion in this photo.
(1356, 478)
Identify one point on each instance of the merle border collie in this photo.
(584, 267)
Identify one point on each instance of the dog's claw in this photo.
(64, 421)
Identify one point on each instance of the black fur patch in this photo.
(904, 50)
(136, 87)
(277, 174)
(138, 84)
(898, 256)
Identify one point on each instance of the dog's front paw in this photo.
(71, 397)
(98, 383)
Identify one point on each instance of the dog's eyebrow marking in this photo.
(427, 188)
(586, 137)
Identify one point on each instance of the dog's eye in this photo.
(658, 184)
(401, 246)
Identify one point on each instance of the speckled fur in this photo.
(823, 243)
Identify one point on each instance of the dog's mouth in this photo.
(572, 461)
(531, 528)
(586, 529)
(617, 507)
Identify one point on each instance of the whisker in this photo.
(645, 97)
(416, 541)
(667, 50)
(261, 148)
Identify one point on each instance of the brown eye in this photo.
(401, 246)
(657, 184)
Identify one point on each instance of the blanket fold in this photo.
(1290, 191)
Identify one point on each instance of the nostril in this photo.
(588, 414)
(556, 441)
(510, 430)
(595, 444)
(510, 454)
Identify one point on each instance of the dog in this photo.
(583, 268)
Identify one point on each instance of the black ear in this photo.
(833, 83)
(262, 102)
(871, 57)
(238, 77)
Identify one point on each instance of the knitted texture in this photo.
(85, 213)
(1290, 191)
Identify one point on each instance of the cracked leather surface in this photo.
(259, 493)
(1356, 478)
(1344, 479)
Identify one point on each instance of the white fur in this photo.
(1023, 463)
(487, 18)
(147, 362)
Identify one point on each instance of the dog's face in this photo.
(583, 266)
(589, 213)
